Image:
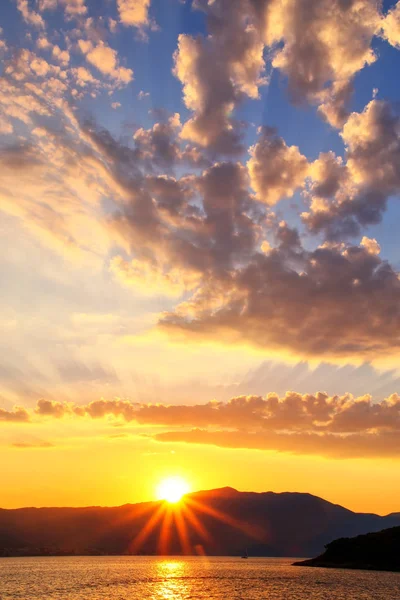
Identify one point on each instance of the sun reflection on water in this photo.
(172, 583)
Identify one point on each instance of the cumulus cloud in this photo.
(159, 143)
(391, 26)
(63, 56)
(105, 59)
(134, 13)
(275, 169)
(346, 195)
(30, 16)
(319, 47)
(333, 103)
(371, 245)
(18, 415)
(96, 409)
(323, 42)
(217, 72)
(49, 408)
(72, 8)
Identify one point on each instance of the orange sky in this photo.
(100, 464)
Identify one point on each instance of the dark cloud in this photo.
(188, 228)
(158, 145)
(341, 301)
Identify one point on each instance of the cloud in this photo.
(150, 279)
(323, 45)
(29, 445)
(18, 415)
(319, 48)
(72, 8)
(333, 301)
(49, 408)
(371, 245)
(96, 409)
(217, 72)
(105, 59)
(275, 169)
(334, 102)
(63, 56)
(163, 226)
(364, 446)
(391, 26)
(134, 13)
(292, 412)
(346, 195)
(55, 161)
(159, 143)
(30, 16)
(335, 426)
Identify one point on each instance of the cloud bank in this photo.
(333, 426)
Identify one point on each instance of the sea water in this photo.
(197, 578)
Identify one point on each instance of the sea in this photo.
(193, 578)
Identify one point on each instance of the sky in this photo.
(199, 265)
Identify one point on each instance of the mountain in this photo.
(215, 522)
(377, 551)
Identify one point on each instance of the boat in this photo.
(245, 555)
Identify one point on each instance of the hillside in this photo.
(216, 522)
(378, 551)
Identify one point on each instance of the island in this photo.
(372, 551)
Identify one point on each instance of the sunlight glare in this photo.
(172, 489)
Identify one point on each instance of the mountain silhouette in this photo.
(214, 522)
(377, 551)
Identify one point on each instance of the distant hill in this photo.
(215, 522)
(378, 551)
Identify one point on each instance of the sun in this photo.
(172, 489)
